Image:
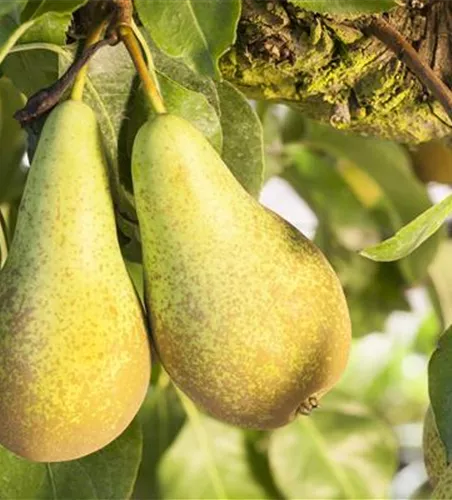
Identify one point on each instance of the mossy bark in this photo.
(329, 69)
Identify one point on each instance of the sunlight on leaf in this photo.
(412, 235)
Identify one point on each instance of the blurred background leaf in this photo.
(343, 450)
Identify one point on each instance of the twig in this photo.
(95, 34)
(387, 34)
(47, 98)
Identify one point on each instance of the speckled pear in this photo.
(74, 351)
(247, 316)
(435, 457)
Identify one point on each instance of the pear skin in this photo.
(74, 351)
(247, 316)
(435, 456)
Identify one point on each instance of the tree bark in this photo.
(331, 70)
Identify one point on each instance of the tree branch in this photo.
(397, 43)
(334, 71)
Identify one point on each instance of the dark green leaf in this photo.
(49, 28)
(107, 474)
(341, 451)
(193, 106)
(197, 31)
(10, 32)
(12, 142)
(439, 377)
(243, 147)
(33, 70)
(177, 70)
(208, 460)
(56, 13)
(346, 7)
(8, 5)
(411, 236)
(36, 8)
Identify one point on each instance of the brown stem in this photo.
(124, 10)
(393, 39)
(47, 98)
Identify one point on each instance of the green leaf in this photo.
(243, 143)
(439, 377)
(193, 106)
(12, 142)
(107, 474)
(10, 32)
(341, 451)
(8, 5)
(35, 11)
(162, 417)
(20, 478)
(32, 70)
(411, 236)
(36, 8)
(197, 31)
(346, 7)
(208, 460)
(49, 28)
(177, 70)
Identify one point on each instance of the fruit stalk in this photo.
(148, 79)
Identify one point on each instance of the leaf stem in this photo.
(80, 80)
(146, 75)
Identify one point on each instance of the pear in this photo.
(443, 490)
(435, 457)
(248, 318)
(74, 351)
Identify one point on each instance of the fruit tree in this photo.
(170, 327)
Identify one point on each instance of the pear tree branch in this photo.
(397, 43)
(388, 75)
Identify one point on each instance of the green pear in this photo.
(74, 351)
(247, 315)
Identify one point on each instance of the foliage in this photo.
(362, 191)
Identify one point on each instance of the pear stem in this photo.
(80, 81)
(147, 52)
(146, 74)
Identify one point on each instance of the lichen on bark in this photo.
(329, 69)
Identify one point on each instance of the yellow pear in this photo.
(247, 315)
(74, 352)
